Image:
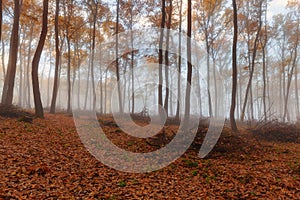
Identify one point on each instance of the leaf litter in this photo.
(45, 159)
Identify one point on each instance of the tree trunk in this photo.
(68, 37)
(79, 77)
(166, 103)
(216, 111)
(297, 93)
(117, 59)
(39, 112)
(48, 81)
(95, 14)
(290, 75)
(160, 59)
(69, 73)
(264, 82)
(234, 69)
(8, 88)
(264, 51)
(132, 60)
(179, 63)
(105, 91)
(208, 75)
(28, 91)
(87, 85)
(3, 59)
(57, 60)
(20, 100)
(189, 64)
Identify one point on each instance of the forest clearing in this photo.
(45, 159)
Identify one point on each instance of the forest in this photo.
(158, 99)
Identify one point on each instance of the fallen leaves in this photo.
(46, 160)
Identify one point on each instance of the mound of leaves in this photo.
(12, 111)
(227, 143)
(277, 132)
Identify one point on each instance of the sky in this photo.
(276, 7)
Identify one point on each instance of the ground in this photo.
(45, 159)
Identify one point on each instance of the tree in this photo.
(234, 68)
(117, 59)
(57, 59)
(94, 9)
(169, 21)
(294, 31)
(264, 42)
(209, 17)
(252, 60)
(68, 37)
(189, 64)
(39, 112)
(128, 18)
(179, 63)
(8, 88)
(160, 58)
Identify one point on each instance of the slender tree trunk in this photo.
(57, 59)
(198, 86)
(216, 87)
(264, 51)
(124, 67)
(166, 103)
(74, 67)
(68, 38)
(132, 59)
(171, 97)
(95, 14)
(101, 85)
(78, 66)
(39, 112)
(48, 81)
(281, 94)
(8, 88)
(69, 74)
(296, 73)
(117, 59)
(251, 100)
(189, 64)
(179, 63)
(20, 100)
(264, 83)
(3, 58)
(234, 69)
(290, 75)
(297, 93)
(208, 76)
(87, 85)
(101, 92)
(105, 92)
(28, 89)
(160, 59)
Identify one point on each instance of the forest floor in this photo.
(45, 159)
